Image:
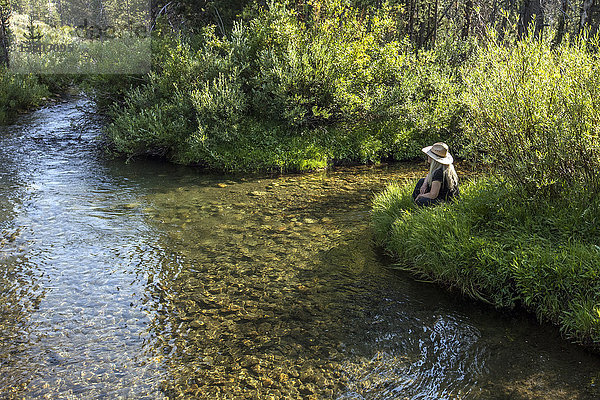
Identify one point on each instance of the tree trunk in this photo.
(530, 9)
(540, 18)
(495, 6)
(59, 6)
(468, 14)
(586, 15)
(411, 12)
(435, 23)
(428, 28)
(502, 28)
(562, 18)
(4, 44)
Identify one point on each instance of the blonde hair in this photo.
(450, 176)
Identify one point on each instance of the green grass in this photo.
(501, 247)
(170, 130)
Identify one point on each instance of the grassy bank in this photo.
(527, 235)
(501, 246)
(19, 92)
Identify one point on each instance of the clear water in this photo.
(144, 280)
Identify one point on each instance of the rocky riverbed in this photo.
(262, 294)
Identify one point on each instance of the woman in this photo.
(441, 183)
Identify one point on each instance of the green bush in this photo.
(343, 87)
(534, 113)
(105, 89)
(19, 92)
(152, 128)
(498, 246)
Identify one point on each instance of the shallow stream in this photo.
(144, 280)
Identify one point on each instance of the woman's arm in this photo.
(424, 186)
(434, 192)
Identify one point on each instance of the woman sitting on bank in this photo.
(441, 183)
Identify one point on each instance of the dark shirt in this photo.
(445, 193)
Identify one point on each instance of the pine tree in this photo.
(34, 36)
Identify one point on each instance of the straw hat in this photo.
(439, 152)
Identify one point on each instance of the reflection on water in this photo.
(144, 280)
(72, 274)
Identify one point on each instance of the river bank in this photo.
(23, 93)
(19, 93)
(501, 247)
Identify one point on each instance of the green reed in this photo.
(534, 112)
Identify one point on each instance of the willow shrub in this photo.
(334, 87)
(534, 112)
(19, 92)
(497, 246)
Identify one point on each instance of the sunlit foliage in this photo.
(343, 87)
(498, 246)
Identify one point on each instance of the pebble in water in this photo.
(266, 332)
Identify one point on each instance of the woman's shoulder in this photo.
(438, 175)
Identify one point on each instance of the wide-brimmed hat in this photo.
(439, 152)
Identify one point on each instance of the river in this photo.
(144, 280)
